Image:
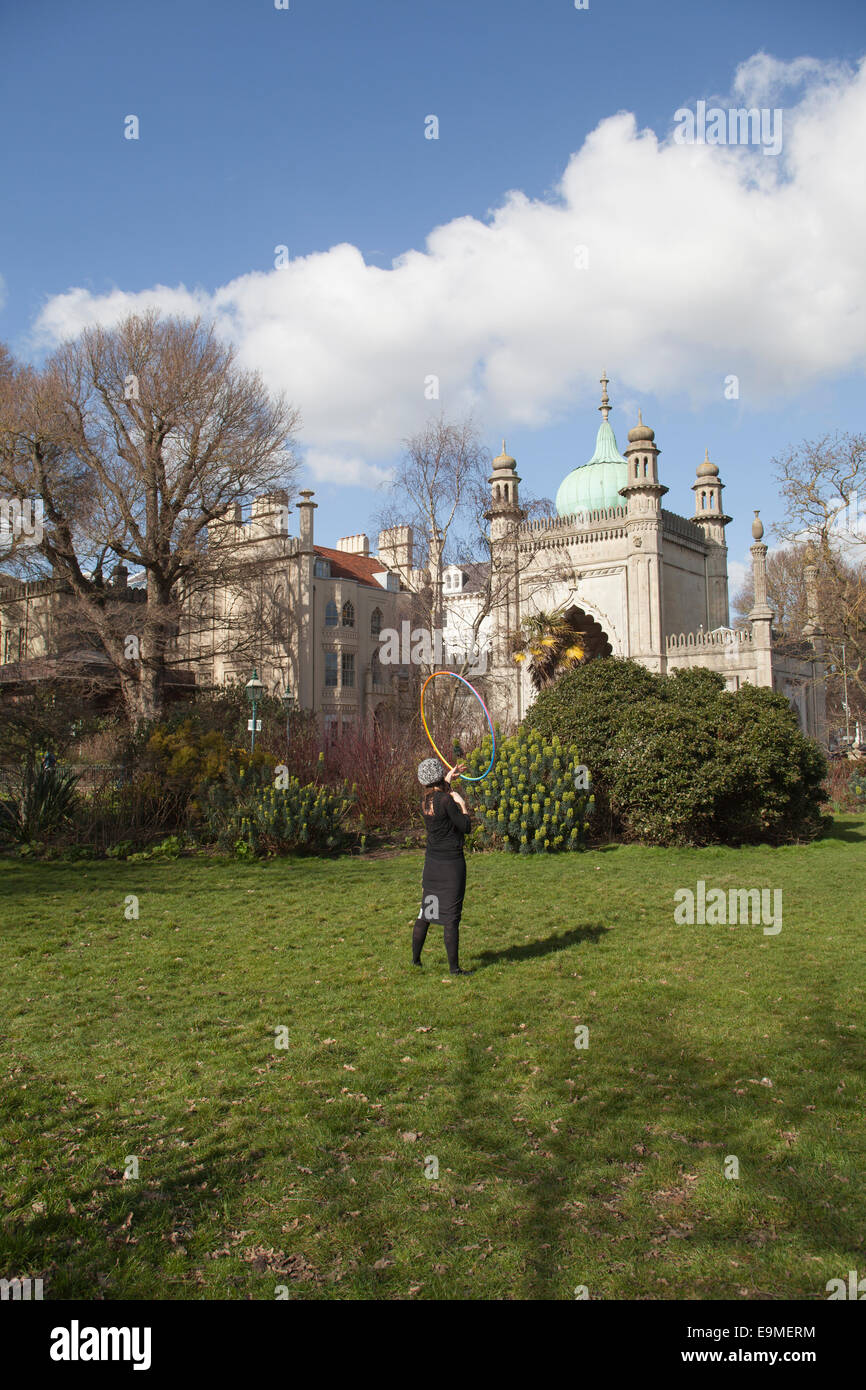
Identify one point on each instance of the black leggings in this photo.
(443, 886)
(452, 942)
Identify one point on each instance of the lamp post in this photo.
(845, 705)
(287, 700)
(254, 689)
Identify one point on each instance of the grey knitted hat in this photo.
(430, 772)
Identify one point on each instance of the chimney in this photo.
(354, 545)
(306, 508)
(270, 513)
(395, 548)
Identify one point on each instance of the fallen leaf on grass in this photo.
(265, 1260)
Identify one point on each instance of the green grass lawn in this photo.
(304, 1166)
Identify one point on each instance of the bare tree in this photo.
(820, 481)
(841, 609)
(137, 439)
(441, 489)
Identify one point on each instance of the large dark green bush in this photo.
(662, 782)
(774, 785)
(680, 760)
(529, 803)
(585, 707)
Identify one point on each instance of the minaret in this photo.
(504, 514)
(710, 518)
(761, 616)
(504, 511)
(642, 456)
(643, 493)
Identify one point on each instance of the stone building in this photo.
(308, 617)
(632, 578)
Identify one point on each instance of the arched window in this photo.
(376, 667)
(712, 500)
(375, 622)
(645, 467)
(331, 616)
(636, 467)
(348, 614)
(496, 492)
(703, 501)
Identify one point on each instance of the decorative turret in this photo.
(812, 627)
(504, 514)
(761, 615)
(708, 488)
(642, 460)
(643, 495)
(711, 519)
(504, 511)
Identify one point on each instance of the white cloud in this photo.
(737, 576)
(352, 472)
(702, 261)
(762, 78)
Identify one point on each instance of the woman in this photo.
(444, 880)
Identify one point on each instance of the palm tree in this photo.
(550, 643)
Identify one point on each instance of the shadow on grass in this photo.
(637, 1211)
(530, 950)
(849, 832)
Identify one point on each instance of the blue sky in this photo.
(305, 128)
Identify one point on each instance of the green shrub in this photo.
(41, 802)
(857, 786)
(774, 775)
(275, 819)
(585, 706)
(680, 760)
(663, 783)
(529, 803)
(189, 758)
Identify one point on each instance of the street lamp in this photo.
(845, 701)
(254, 689)
(287, 700)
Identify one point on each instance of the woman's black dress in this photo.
(443, 883)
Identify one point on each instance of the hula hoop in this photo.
(441, 756)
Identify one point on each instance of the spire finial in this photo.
(706, 453)
(605, 401)
(504, 450)
(639, 416)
